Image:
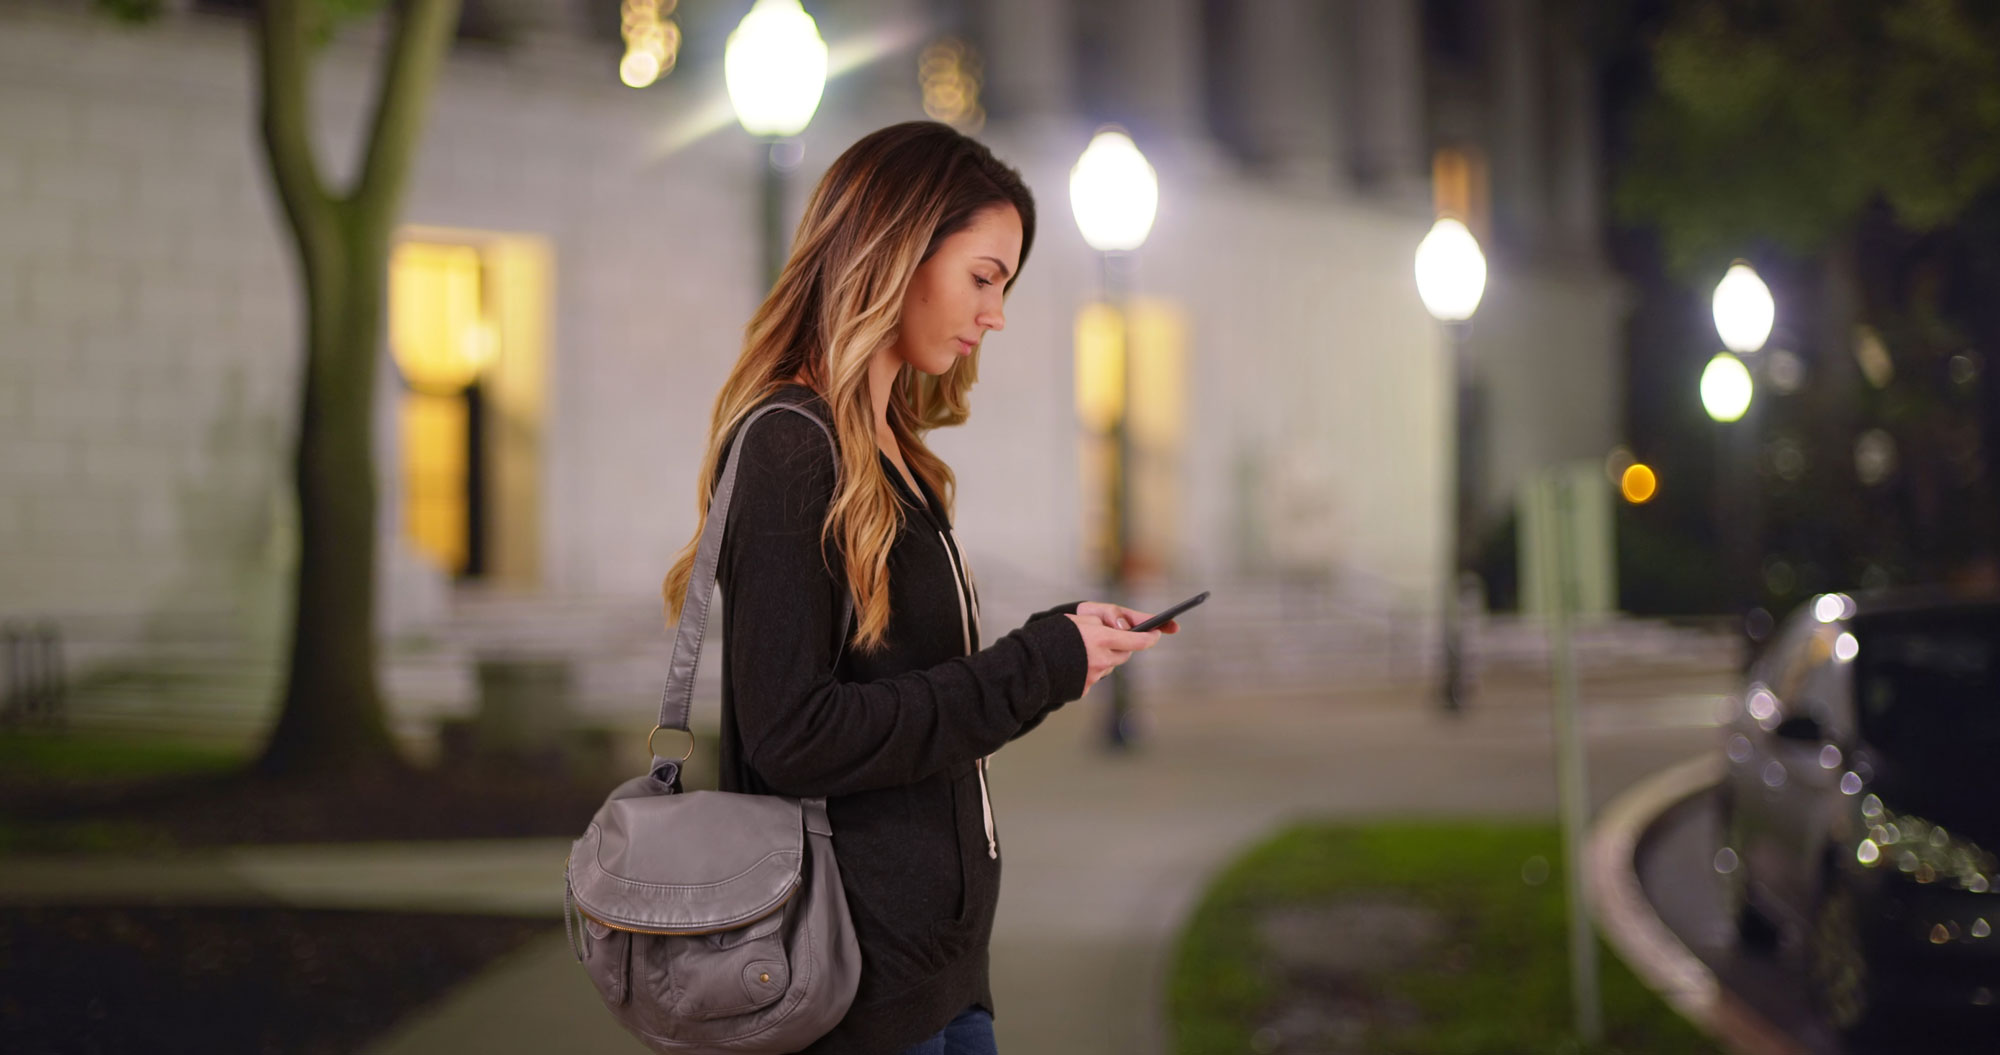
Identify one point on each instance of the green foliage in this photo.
(136, 12)
(1504, 990)
(1781, 120)
(323, 18)
(43, 757)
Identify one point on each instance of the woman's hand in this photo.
(1109, 647)
(1111, 615)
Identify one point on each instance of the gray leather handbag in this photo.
(712, 921)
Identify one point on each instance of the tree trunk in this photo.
(333, 716)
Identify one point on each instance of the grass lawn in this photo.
(28, 756)
(1487, 971)
(41, 766)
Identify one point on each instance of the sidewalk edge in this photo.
(1627, 919)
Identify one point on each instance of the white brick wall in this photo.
(149, 343)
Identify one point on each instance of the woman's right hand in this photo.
(1108, 647)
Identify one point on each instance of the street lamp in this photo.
(1726, 388)
(1114, 194)
(1744, 314)
(775, 67)
(1744, 310)
(1451, 279)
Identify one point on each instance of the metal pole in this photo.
(1558, 557)
(1452, 692)
(1119, 733)
(1748, 571)
(771, 208)
(1733, 447)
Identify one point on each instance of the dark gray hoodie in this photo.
(896, 739)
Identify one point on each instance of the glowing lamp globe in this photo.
(1744, 310)
(1114, 193)
(1725, 388)
(775, 67)
(1451, 271)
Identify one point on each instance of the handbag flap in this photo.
(687, 863)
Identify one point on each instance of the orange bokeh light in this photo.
(1638, 484)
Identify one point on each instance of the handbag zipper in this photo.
(958, 580)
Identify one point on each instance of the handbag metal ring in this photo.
(656, 732)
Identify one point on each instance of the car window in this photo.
(1822, 693)
(1812, 650)
(1931, 684)
(1770, 666)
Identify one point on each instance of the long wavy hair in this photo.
(880, 211)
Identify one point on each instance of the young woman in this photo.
(900, 267)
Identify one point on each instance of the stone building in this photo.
(607, 238)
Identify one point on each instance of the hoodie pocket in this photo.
(978, 875)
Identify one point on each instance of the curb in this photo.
(1627, 920)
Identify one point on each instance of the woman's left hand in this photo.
(1121, 617)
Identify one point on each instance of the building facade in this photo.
(591, 252)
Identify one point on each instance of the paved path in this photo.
(1104, 856)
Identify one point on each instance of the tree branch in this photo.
(281, 53)
(423, 32)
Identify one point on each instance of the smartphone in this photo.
(1164, 617)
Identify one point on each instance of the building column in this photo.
(1577, 199)
(1141, 66)
(1520, 174)
(1388, 151)
(1030, 58)
(1286, 55)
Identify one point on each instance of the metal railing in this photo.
(37, 683)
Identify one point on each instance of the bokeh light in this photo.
(1744, 310)
(1874, 456)
(1725, 388)
(1786, 370)
(638, 69)
(652, 41)
(775, 68)
(1872, 355)
(1619, 460)
(949, 72)
(1114, 193)
(1451, 271)
(1638, 484)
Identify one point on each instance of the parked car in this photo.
(1861, 806)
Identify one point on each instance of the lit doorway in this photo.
(1155, 374)
(468, 332)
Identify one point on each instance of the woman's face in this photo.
(955, 296)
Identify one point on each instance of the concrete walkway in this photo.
(1104, 855)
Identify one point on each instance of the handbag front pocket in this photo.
(709, 976)
(608, 956)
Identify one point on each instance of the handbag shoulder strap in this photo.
(678, 699)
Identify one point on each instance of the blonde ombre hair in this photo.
(879, 212)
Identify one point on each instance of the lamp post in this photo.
(775, 67)
(1451, 278)
(1115, 194)
(1744, 313)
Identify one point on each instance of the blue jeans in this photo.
(971, 1033)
